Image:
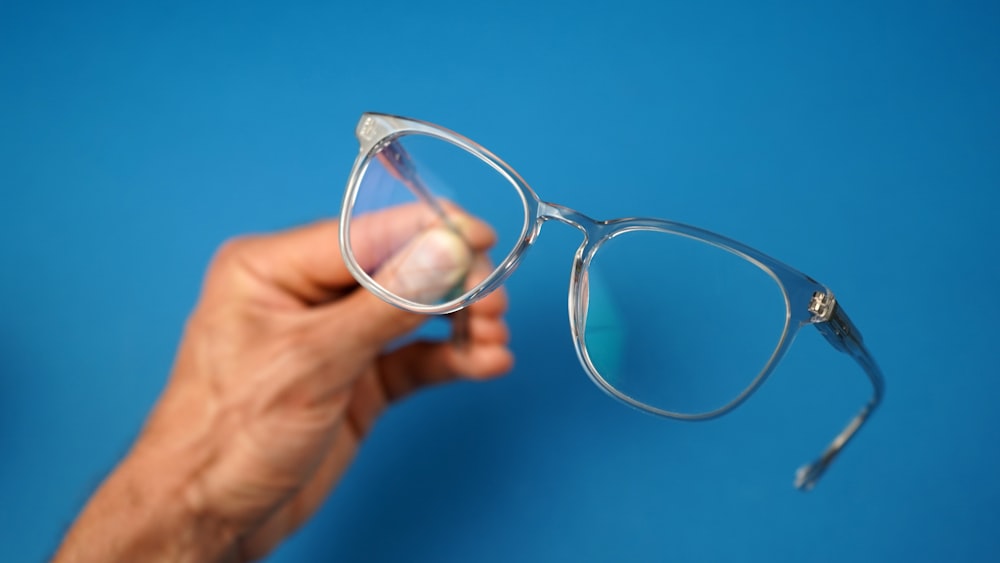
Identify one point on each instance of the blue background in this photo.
(857, 142)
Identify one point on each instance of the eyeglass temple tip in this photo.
(808, 475)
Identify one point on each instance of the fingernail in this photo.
(427, 268)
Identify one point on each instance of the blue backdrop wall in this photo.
(857, 142)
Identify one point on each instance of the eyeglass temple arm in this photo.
(834, 324)
(398, 163)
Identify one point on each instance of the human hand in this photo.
(280, 374)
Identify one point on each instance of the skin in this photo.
(280, 374)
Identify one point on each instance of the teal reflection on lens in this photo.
(607, 331)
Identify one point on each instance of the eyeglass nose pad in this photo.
(578, 305)
(580, 288)
(596, 322)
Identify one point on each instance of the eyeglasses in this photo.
(669, 318)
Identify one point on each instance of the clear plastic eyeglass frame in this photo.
(807, 302)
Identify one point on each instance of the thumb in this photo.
(427, 268)
(424, 270)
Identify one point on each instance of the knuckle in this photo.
(231, 268)
(232, 250)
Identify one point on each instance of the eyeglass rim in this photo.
(794, 319)
(375, 130)
(807, 301)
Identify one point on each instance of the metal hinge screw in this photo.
(822, 305)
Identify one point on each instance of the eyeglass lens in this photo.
(423, 171)
(678, 324)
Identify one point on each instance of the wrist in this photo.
(147, 510)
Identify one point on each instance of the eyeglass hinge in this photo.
(833, 322)
(822, 305)
(371, 129)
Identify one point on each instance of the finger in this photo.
(424, 270)
(496, 302)
(306, 264)
(487, 330)
(426, 363)
(419, 365)
(428, 267)
(423, 364)
(376, 236)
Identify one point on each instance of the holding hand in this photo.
(280, 374)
